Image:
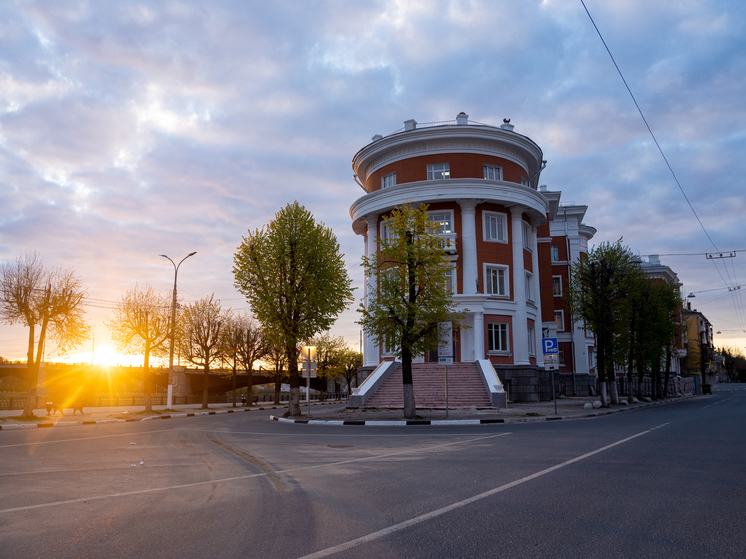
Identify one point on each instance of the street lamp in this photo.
(169, 397)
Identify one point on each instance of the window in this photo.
(388, 180)
(497, 338)
(496, 281)
(591, 359)
(388, 347)
(562, 357)
(450, 279)
(531, 341)
(441, 222)
(559, 318)
(557, 286)
(495, 227)
(524, 181)
(555, 253)
(386, 232)
(493, 173)
(526, 236)
(438, 171)
(529, 291)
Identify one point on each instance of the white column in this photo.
(537, 297)
(365, 283)
(520, 324)
(479, 352)
(469, 246)
(371, 354)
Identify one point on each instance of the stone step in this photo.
(465, 387)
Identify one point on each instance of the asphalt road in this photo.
(666, 481)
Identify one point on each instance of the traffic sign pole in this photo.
(551, 360)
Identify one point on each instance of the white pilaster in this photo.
(520, 324)
(371, 356)
(469, 246)
(479, 352)
(537, 297)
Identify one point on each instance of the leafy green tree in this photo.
(50, 300)
(597, 292)
(201, 337)
(351, 360)
(329, 350)
(412, 295)
(294, 278)
(142, 324)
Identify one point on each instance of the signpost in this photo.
(551, 362)
(308, 360)
(445, 350)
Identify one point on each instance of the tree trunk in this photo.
(206, 387)
(278, 390)
(614, 390)
(32, 372)
(604, 394)
(234, 380)
(410, 410)
(146, 384)
(250, 383)
(667, 376)
(294, 399)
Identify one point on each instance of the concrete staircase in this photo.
(465, 387)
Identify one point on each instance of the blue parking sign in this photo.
(550, 346)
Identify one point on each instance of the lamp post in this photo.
(169, 398)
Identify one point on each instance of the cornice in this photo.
(508, 194)
(484, 140)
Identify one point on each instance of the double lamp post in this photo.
(169, 398)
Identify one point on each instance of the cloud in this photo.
(128, 130)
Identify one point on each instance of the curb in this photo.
(16, 426)
(502, 420)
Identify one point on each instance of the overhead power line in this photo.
(639, 110)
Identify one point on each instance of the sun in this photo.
(104, 355)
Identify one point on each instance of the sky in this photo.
(133, 129)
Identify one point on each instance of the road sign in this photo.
(550, 346)
(551, 361)
(445, 339)
(305, 370)
(445, 361)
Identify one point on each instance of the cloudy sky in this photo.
(131, 129)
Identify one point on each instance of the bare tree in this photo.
(329, 351)
(277, 357)
(253, 346)
(243, 344)
(202, 324)
(48, 300)
(141, 323)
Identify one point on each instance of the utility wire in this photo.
(648, 127)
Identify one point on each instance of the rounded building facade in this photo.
(480, 183)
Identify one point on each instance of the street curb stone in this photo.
(15, 426)
(505, 420)
(358, 422)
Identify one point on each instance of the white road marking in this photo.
(438, 512)
(238, 478)
(84, 438)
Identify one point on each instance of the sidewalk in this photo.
(332, 412)
(92, 415)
